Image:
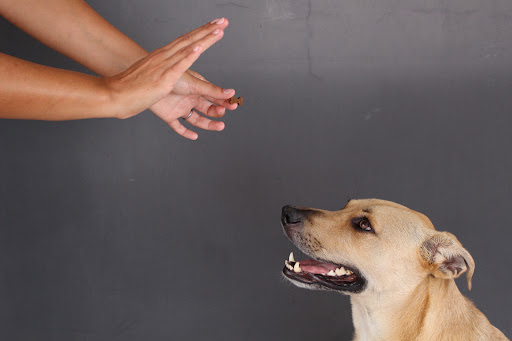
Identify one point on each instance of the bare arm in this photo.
(32, 91)
(74, 29)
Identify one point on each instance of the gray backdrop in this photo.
(122, 230)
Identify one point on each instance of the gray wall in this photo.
(122, 230)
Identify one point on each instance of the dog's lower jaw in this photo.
(434, 310)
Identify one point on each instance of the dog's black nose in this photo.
(291, 215)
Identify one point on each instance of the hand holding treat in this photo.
(165, 72)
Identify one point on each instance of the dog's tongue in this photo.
(316, 267)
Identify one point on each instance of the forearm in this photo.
(74, 29)
(32, 91)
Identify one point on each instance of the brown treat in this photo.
(239, 100)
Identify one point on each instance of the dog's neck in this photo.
(403, 314)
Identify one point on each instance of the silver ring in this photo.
(189, 114)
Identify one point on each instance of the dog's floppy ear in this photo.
(446, 258)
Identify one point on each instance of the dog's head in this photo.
(369, 244)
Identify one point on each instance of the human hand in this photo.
(193, 91)
(152, 78)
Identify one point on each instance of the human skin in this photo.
(32, 91)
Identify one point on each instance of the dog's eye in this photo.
(364, 224)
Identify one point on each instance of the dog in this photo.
(397, 269)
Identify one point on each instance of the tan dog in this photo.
(398, 270)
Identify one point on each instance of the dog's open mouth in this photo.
(317, 273)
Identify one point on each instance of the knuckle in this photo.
(179, 129)
(155, 57)
(173, 70)
(187, 49)
(157, 78)
(182, 50)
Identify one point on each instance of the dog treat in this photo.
(239, 100)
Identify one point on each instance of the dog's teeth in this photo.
(290, 258)
(296, 267)
(288, 265)
(331, 273)
(339, 272)
(349, 272)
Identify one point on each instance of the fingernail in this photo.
(214, 21)
(220, 21)
(216, 31)
(197, 48)
(227, 91)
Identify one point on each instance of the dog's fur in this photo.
(409, 267)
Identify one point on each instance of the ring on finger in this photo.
(188, 116)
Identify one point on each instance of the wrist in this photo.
(112, 98)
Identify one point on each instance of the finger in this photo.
(204, 43)
(173, 55)
(199, 32)
(180, 129)
(196, 35)
(175, 67)
(210, 109)
(222, 102)
(178, 63)
(197, 75)
(205, 88)
(210, 91)
(219, 101)
(205, 123)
